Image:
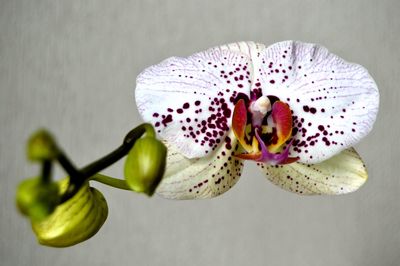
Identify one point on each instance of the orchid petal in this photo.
(340, 174)
(334, 102)
(239, 122)
(282, 117)
(190, 100)
(251, 49)
(205, 177)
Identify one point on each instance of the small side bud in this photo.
(41, 146)
(37, 199)
(145, 165)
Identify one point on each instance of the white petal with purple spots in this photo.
(334, 102)
(343, 173)
(190, 100)
(205, 177)
(251, 49)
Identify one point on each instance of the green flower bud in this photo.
(37, 199)
(41, 146)
(75, 220)
(145, 165)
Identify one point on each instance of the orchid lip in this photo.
(274, 158)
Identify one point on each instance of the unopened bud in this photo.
(145, 165)
(37, 199)
(75, 220)
(41, 146)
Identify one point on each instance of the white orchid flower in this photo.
(292, 107)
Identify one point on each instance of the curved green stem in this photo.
(137, 132)
(68, 166)
(46, 171)
(104, 162)
(79, 177)
(111, 181)
(118, 153)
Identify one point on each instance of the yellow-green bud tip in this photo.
(145, 165)
(41, 146)
(37, 199)
(75, 220)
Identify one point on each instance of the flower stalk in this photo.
(79, 177)
(69, 211)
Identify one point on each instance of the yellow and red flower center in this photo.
(264, 130)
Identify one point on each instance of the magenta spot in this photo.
(166, 120)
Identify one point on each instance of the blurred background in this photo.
(70, 66)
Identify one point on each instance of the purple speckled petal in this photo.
(190, 100)
(334, 102)
(200, 178)
(341, 174)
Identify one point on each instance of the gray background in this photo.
(70, 66)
